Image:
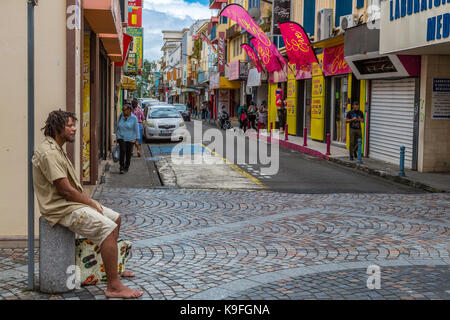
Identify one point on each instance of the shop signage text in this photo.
(438, 27)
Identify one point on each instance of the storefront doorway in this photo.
(339, 89)
(307, 105)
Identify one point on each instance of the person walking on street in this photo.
(242, 116)
(282, 115)
(127, 135)
(61, 200)
(137, 111)
(354, 118)
(262, 115)
(252, 115)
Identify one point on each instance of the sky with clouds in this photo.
(160, 15)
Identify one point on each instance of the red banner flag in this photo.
(298, 46)
(266, 55)
(252, 54)
(238, 14)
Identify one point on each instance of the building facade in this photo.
(77, 44)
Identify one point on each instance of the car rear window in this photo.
(163, 113)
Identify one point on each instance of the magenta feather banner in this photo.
(253, 56)
(266, 55)
(298, 46)
(238, 14)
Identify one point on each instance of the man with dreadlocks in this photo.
(61, 199)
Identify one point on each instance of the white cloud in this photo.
(161, 15)
(179, 8)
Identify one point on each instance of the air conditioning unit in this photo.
(347, 22)
(324, 24)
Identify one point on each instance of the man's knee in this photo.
(118, 221)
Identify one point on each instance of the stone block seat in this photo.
(56, 254)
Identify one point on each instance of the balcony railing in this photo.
(216, 4)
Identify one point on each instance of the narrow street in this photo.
(258, 242)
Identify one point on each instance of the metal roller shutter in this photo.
(392, 120)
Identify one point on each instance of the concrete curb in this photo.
(385, 175)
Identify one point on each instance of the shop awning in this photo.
(113, 45)
(126, 44)
(224, 83)
(128, 83)
(330, 42)
(103, 15)
(184, 90)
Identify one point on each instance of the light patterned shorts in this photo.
(90, 224)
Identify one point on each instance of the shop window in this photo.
(309, 10)
(343, 8)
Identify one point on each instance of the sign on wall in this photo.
(413, 24)
(134, 3)
(281, 14)
(221, 52)
(135, 17)
(86, 108)
(137, 34)
(440, 108)
(334, 62)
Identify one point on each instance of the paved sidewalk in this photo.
(432, 182)
(211, 244)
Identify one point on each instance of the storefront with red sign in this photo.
(339, 92)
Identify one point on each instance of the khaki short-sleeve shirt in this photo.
(50, 163)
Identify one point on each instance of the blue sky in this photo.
(169, 15)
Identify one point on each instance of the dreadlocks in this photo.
(56, 122)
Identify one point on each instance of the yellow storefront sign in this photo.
(86, 108)
(318, 101)
(291, 108)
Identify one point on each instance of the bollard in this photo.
(286, 132)
(305, 137)
(359, 150)
(328, 144)
(270, 132)
(401, 173)
(257, 132)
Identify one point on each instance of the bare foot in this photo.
(128, 274)
(123, 292)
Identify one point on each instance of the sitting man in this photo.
(61, 200)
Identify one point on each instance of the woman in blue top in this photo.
(127, 135)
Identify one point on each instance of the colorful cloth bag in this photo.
(89, 260)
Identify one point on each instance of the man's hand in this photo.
(97, 207)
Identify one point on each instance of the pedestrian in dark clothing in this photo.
(127, 135)
(354, 118)
(242, 117)
(252, 110)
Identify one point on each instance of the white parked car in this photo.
(163, 122)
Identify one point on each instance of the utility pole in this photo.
(30, 36)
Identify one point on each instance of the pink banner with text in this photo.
(253, 56)
(298, 47)
(334, 62)
(266, 55)
(238, 14)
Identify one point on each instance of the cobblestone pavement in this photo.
(212, 244)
